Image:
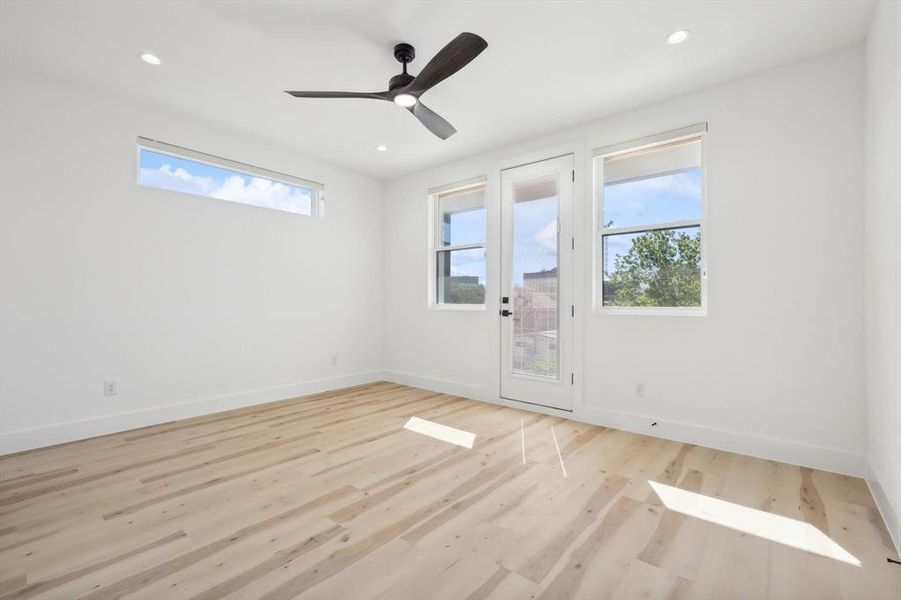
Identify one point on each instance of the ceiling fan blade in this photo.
(371, 95)
(450, 59)
(432, 120)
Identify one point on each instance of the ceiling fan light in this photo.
(151, 59)
(405, 100)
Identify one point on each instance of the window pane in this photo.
(653, 268)
(659, 185)
(535, 261)
(461, 217)
(182, 175)
(461, 276)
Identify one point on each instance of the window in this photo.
(650, 219)
(458, 246)
(181, 170)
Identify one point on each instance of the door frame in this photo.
(583, 216)
(568, 273)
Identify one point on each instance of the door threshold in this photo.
(566, 410)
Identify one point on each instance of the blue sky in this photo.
(181, 175)
(663, 199)
(466, 227)
(534, 237)
(534, 234)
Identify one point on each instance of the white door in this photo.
(536, 302)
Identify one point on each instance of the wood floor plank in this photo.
(328, 496)
(568, 581)
(49, 584)
(489, 585)
(278, 560)
(184, 561)
(541, 563)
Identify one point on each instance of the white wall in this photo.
(193, 305)
(882, 256)
(776, 368)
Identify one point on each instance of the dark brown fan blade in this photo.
(432, 120)
(450, 59)
(371, 95)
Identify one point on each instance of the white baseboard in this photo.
(730, 440)
(891, 519)
(27, 439)
(438, 385)
(787, 451)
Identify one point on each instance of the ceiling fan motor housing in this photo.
(400, 80)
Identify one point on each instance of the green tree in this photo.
(464, 293)
(662, 268)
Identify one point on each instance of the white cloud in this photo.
(547, 237)
(177, 180)
(265, 193)
(255, 191)
(665, 198)
(680, 184)
(468, 262)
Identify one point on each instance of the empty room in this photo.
(450, 300)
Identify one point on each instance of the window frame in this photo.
(317, 203)
(599, 232)
(435, 247)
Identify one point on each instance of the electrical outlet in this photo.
(110, 388)
(334, 360)
(639, 390)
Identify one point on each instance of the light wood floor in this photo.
(327, 496)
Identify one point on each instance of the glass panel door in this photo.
(536, 323)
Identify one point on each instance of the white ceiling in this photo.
(548, 64)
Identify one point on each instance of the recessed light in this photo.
(381, 148)
(677, 37)
(151, 59)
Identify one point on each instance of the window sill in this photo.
(460, 307)
(651, 312)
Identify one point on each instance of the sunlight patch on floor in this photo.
(441, 432)
(776, 528)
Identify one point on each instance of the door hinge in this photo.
(574, 175)
(573, 243)
(572, 379)
(573, 307)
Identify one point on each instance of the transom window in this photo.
(458, 246)
(178, 169)
(651, 213)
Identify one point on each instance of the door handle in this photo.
(506, 313)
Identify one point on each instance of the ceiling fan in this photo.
(405, 89)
